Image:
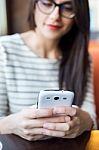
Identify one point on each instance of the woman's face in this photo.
(53, 25)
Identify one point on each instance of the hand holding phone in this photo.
(55, 98)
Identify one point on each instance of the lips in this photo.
(54, 27)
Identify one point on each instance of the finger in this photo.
(54, 119)
(37, 113)
(34, 131)
(73, 128)
(72, 133)
(40, 137)
(69, 136)
(70, 111)
(53, 133)
(58, 119)
(67, 118)
(39, 122)
(33, 137)
(70, 129)
(56, 126)
(74, 122)
(37, 137)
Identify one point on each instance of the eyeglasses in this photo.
(48, 6)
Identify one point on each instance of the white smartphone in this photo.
(55, 98)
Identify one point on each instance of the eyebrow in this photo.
(68, 1)
(64, 1)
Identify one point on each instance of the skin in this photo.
(79, 123)
(29, 123)
(43, 21)
(33, 124)
(47, 37)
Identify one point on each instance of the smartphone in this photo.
(55, 98)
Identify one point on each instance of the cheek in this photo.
(39, 18)
(36, 17)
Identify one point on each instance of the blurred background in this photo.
(13, 17)
(94, 15)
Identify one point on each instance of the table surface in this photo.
(13, 142)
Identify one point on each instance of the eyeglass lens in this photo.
(48, 6)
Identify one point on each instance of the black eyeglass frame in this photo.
(55, 5)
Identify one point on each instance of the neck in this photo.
(46, 48)
(43, 47)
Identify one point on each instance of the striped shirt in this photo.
(23, 74)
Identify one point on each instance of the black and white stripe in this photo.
(23, 74)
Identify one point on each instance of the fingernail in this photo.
(67, 119)
(67, 127)
(73, 111)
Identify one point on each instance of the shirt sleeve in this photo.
(89, 100)
(3, 91)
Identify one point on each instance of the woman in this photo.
(52, 55)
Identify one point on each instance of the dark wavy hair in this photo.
(74, 48)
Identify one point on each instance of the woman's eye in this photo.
(46, 3)
(68, 7)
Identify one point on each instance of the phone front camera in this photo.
(56, 98)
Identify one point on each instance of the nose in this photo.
(55, 14)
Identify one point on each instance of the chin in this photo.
(53, 36)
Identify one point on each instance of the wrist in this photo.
(6, 125)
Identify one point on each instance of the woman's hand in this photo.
(28, 123)
(80, 122)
